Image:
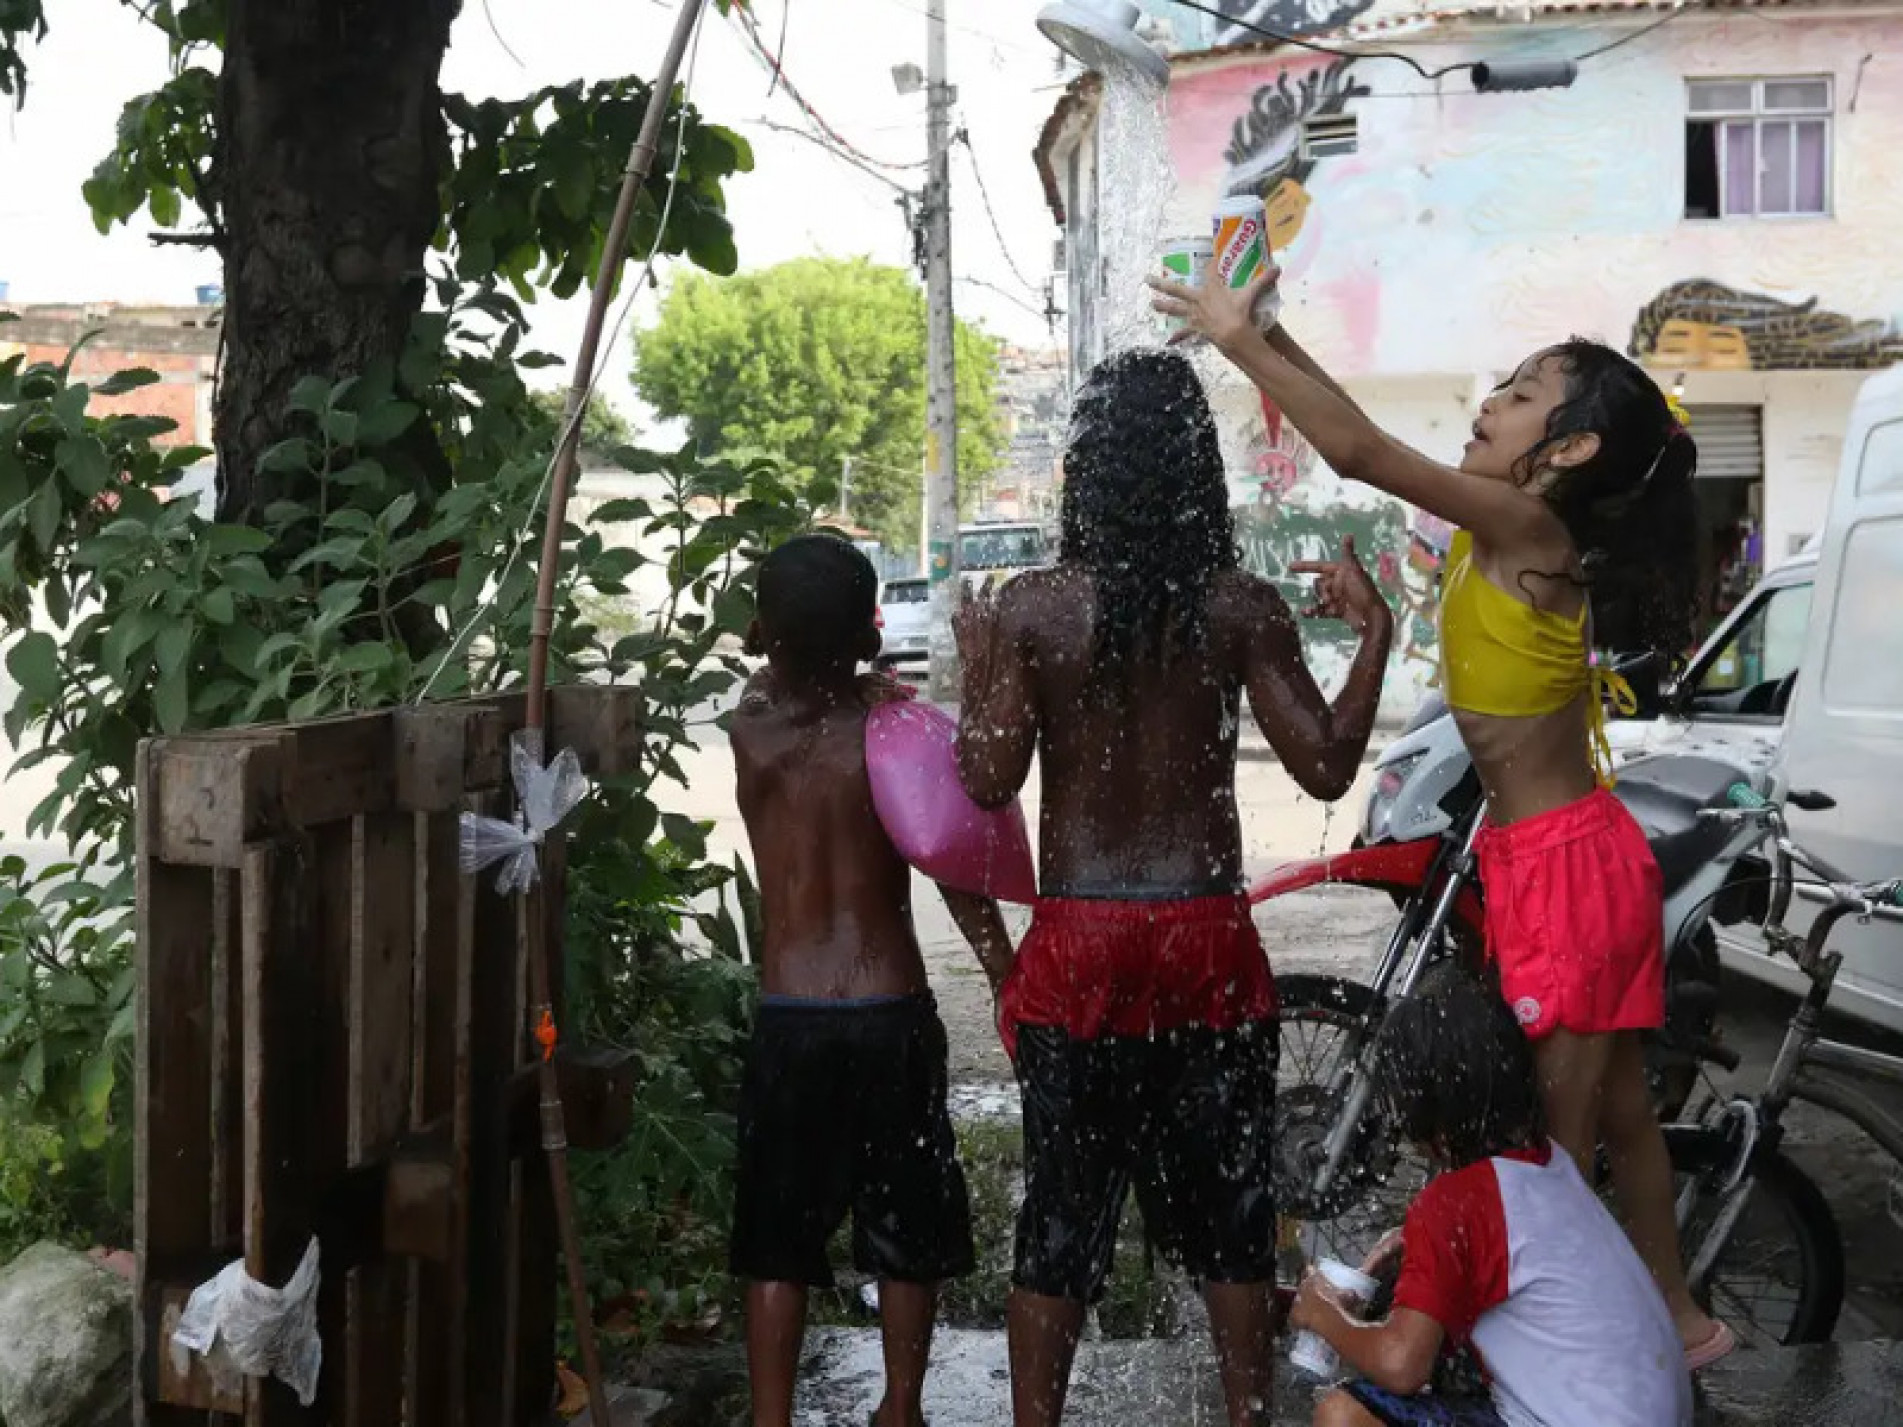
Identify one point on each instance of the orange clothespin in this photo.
(546, 1035)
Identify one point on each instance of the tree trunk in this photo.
(330, 147)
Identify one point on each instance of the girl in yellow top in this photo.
(1577, 483)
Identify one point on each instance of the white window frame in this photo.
(1756, 117)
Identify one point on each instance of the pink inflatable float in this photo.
(912, 758)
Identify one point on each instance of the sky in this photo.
(799, 200)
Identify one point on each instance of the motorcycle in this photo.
(1340, 1179)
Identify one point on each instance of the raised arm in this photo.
(1319, 742)
(997, 719)
(1498, 513)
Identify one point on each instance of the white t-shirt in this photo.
(1516, 1256)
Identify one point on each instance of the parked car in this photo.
(905, 620)
(1731, 700)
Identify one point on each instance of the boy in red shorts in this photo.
(1141, 1010)
(843, 1104)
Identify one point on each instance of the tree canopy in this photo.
(814, 361)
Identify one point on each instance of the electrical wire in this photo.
(751, 29)
(1009, 296)
(963, 136)
(1430, 75)
(807, 134)
(530, 527)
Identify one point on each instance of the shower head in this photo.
(1101, 35)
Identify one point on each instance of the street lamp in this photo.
(908, 78)
(1102, 33)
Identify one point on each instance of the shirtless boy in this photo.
(843, 1106)
(1141, 1003)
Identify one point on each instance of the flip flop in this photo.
(1719, 1345)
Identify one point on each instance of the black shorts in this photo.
(843, 1110)
(1425, 1409)
(1188, 1115)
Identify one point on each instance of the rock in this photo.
(65, 1342)
(628, 1407)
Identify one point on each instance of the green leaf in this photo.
(84, 463)
(366, 658)
(340, 426)
(45, 514)
(219, 607)
(310, 394)
(131, 379)
(34, 664)
(171, 701)
(382, 424)
(174, 643)
(95, 1085)
(293, 454)
(225, 541)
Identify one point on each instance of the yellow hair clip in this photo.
(1679, 414)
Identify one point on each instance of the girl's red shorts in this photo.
(1575, 919)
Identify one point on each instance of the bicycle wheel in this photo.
(1780, 1276)
(1379, 1177)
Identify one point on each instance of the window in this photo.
(1864, 673)
(906, 592)
(1329, 137)
(1882, 465)
(1757, 148)
(1750, 674)
(1007, 548)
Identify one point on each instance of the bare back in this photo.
(835, 894)
(1139, 773)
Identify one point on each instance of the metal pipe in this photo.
(544, 1032)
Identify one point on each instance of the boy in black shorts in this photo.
(843, 1105)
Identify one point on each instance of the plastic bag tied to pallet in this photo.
(242, 1328)
(544, 795)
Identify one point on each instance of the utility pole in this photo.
(941, 403)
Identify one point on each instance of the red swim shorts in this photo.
(1575, 919)
(1107, 968)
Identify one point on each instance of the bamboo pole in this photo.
(543, 1028)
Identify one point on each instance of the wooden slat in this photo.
(493, 1035)
(227, 1059)
(283, 1047)
(438, 1093)
(172, 1149)
(382, 942)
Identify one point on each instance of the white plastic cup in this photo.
(1311, 1353)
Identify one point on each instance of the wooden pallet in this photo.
(332, 1041)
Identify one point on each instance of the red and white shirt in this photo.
(1516, 1256)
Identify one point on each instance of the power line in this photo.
(997, 229)
(750, 28)
(842, 155)
(1407, 59)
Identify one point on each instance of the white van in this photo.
(1843, 733)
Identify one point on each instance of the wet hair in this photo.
(1630, 509)
(1145, 507)
(1455, 1071)
(818, 595)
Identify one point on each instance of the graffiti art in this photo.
(1287, 17)
(1706, 325)
(1265, 154)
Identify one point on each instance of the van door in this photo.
(1845, 732)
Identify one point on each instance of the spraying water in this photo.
(1134, 178)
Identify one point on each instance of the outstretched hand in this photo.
(973, 624)
(1343, 591)
(1223, 314)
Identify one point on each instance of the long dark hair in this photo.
(1146, 507)
(1630, 509)
(1455, 1071)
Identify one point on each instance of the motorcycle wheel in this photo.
(1379, 1178)
(1780, 1278)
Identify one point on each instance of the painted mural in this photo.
(1288, 17)
(1710, 327)
(1265, 154)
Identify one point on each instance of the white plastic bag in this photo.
(544, 796)
(241, 1328)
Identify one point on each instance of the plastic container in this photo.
(1311, 1353)
(912, 760)
(1240, 225)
